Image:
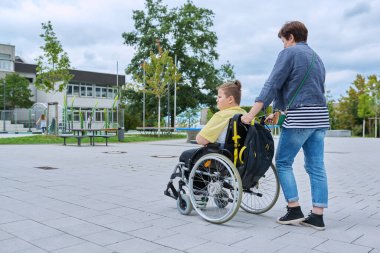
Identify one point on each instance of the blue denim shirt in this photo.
(287, 74)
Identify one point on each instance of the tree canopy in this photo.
(17, 92)
(53, 66)
(362, 101)
(186, 33)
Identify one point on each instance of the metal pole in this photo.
(4, 106)
(175, 91)
(169, 123)
(118, 93)
(30, 120)
(144, 98)
(376, 116)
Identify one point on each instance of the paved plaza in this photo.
(110, 199)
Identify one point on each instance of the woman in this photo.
(42, 122)
(306, 122)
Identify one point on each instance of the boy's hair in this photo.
(232, 88)
(298, 29)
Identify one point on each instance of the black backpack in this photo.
(256, 154)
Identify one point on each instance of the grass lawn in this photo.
(49, 139)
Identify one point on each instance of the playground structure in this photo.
(59, 119)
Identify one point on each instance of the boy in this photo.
(228, 101)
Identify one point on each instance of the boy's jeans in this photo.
(312, 143)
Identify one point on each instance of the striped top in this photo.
(307, 117)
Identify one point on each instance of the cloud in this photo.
(343, 33)
(358, 9)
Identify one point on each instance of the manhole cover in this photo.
(115, 152)
(46, 168)
(164, 156)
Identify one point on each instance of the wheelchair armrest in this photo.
(193, 142)
(213, 145)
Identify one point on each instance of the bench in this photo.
(78, 137)
(154, 130)
(105, 136)
(191, 132)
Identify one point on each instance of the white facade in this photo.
(89, 91)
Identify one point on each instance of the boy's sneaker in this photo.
(293, 215)
(315, 221)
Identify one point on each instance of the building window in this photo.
(98, 92)
(110, 93)
(76, 90)
(89, 91)
(83, 91)
(69, 90)
(98, 116)
(73, 90)
(104, 92)
(5, 62)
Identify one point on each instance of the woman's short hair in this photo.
(298, 29)
(232, 88)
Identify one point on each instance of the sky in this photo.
(345, 34)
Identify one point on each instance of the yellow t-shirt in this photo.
(217, 125)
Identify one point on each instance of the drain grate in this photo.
(46, 168)
(163, 156)
(115, 152)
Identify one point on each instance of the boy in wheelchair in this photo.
(215, 131)
(212, 138)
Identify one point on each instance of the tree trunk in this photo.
(159, 116)
(363, 128)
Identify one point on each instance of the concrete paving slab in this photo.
(110, 199)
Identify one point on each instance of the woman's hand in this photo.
(269, 119)
(247, 118)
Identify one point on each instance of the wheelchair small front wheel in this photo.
(184, 205)
(215, 188)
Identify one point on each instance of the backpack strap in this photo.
(235, 136)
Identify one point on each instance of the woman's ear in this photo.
(291, 38)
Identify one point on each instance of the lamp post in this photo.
(4, 130)
(376, 106)
(175, 92)
(144, 98)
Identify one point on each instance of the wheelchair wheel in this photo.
(263, 196)
(184, 205)
(215, 188)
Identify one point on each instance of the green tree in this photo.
(160, 71)
(332, 110)
(17, 92)
(358, 103)
(53, 66)
(186, 32)
(189, 117)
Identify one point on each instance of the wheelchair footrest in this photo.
(171, 191)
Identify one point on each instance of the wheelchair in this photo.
(209, 181)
